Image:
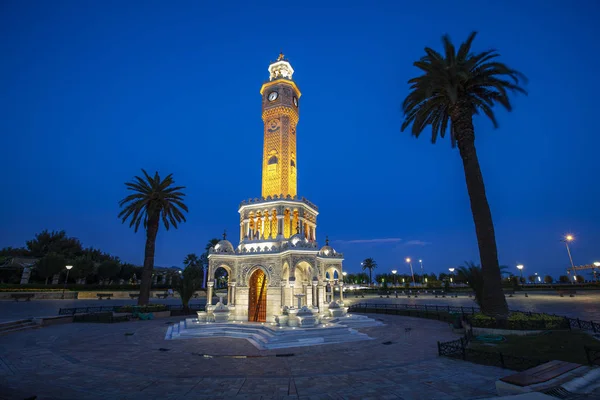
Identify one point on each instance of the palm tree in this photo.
(454, 87)
(204, 257)
(154, 200)
(191, 260)
(369, 264)
(188, 283)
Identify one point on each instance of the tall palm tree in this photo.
(452, 89)
(154, 200)
(369, 264)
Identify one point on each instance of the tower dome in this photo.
(224, 246)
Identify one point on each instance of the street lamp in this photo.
(68, 267)
(394, 273)
(344, 276)
(567, 239)
(411, 271)
(520, 268)
(451, 273)
(422, 273)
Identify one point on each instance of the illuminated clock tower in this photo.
(277, 263)
(280, 97)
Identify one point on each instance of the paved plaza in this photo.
(131, 360)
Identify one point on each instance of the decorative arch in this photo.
(250, 271)
(303, 271)
(333, 272)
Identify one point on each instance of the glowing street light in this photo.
(344, 276)
(567, 239)
(394, 273)
(422, 272)
(411, 270)
(520, 268)
(451, 273)
(68, 267)
(597, 263)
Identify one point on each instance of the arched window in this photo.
(272, 160)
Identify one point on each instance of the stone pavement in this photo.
(131, 360)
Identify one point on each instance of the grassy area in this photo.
(553, 345)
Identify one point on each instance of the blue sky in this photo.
(91, 92)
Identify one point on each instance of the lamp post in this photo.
(520, 268)
(422, 273)
(596, 264)
(567, 239)
(451, 273)
(394, 273)
(68, 267)
(344, 276)
(411, 271)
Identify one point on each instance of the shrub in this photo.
(147, 309)
(521, 321)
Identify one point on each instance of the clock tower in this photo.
(280, 96)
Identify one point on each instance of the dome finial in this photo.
(326, 240)
(281, 56)
(224, 234)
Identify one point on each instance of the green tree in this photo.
(548, 279)
(14, 252)
(563, 279)
(83, 267)
(189, 282)
(109, 269)
(580, 279)
(369, 264)
(154, 200)
(127, 271)
(453, 88)
(56, 242)
(473, 275)
(50, 265)
(531, 278)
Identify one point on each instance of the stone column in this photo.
(341, 285)
(314, 293)
(308, 293)
(25, 276)
(283, 285)
(280, 225)
(265, 219)
(209, 293)
(291, 294)
(315, 232)
(232, 300)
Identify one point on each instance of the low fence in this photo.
(93, 310)
(440, 312)
(459, 349)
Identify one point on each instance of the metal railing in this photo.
(142, 309)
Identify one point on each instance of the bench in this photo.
(533, 376)
(134, 295)
(562, 292)
(26, 296)
(162, 295)
(100, 296)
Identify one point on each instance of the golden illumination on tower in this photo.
(280, 116)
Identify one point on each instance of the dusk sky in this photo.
(93, 91)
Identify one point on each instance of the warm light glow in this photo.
(569, 238)
(69, 267)
(597, 264)
(451, 269)
(394, 271)
(408, 260)
(520, 266)
(344, 273)
(574, 277)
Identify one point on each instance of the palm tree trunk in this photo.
(493, 302)
(146, 283)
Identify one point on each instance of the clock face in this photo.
(273, 96)
(295, 101)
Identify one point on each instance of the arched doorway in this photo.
(257, 301)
